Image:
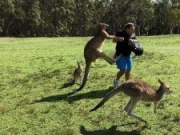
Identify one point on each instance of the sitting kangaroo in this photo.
(78, 72)
(93, 50)
(137, 90)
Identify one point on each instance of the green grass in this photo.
(35, 76)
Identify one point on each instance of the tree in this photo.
(6, 15)
(161, 18)
(174, 16)
(80, 17)
(33, 18)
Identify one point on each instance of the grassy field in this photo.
(35, 75)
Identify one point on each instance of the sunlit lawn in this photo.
(35, 75)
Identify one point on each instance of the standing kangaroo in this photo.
(137, 90)
(77, 72)
(93, 50)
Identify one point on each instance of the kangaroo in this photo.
(137, 90)
(78, 72)
(93, 51)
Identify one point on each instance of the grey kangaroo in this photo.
(137, 90)
(78, 72)
(93, 51)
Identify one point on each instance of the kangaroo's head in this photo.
(79, 63)
(164, 87)
(103, 26)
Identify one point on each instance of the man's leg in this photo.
(129, 67)
(121, 65)
(119, 74)
(127, 75)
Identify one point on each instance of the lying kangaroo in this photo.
(78, 72)
(137, 90)
(93, 50)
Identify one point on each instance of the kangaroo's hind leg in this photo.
(132, 106)
(128, 106)
(105, 57)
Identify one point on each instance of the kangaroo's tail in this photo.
(107, 97)
(87, 69)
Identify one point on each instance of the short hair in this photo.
(129, 25)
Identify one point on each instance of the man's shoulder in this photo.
(120, 33)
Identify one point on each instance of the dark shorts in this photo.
(124, 63)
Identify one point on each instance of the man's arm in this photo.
(118, 37)
(133, 39)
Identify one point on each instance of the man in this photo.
(123, 51)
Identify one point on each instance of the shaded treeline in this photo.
(79, 17)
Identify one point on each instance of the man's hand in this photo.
(118, 39)
(132, 41)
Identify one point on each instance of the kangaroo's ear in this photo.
(160, 81)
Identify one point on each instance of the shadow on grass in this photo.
(68, 84)
(89, 95)
(111, 131)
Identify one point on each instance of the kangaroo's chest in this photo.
(149, 96)
(96, 42)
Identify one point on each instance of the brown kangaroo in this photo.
(137, 90)
(93, 50)
(77, 74)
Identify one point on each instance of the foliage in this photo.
(79, 17)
